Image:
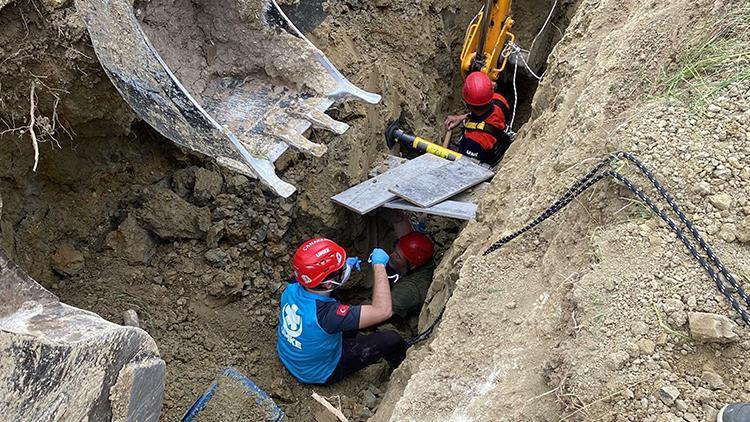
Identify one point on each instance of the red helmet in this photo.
(478, 89)
(416, 248)
(316, 259)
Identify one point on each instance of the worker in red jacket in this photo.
(484, 136)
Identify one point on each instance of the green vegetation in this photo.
(719, 60)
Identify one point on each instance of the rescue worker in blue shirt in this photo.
(318, 337)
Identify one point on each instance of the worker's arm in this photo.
(398, 219)
(381, 308)
(452, 122)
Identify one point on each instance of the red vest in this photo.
(487, 128)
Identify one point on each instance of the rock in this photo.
(236, 183)
(721, 201)
(63, 363)
(132, 242)
(365, 414)
(680, 405)
(130, 318)
(207, 186)
(215, 234)
(710, 413)
(510, 305)
(226, 285)
(702, 188)
(370, 400)
(673, 305)
(617, 360)
(689, 417)
(323, 415)
(712, 328)
(646, 346)
(374, 390)
(728, 234)
(668, 417)
(217, 257)
(668, 394)
(743, 230)
(67, 260)
(171, 217)
(713, 380)
(702, 395)
(639, 328)
(183, 181)
(632, 349)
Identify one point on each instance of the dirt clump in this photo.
(233, 402)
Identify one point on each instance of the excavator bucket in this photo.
(231, 79)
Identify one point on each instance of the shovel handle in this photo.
(447, 139)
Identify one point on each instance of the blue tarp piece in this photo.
(261, 397)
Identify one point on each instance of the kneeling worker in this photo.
(484, 136)
(411, 267)
(318, 338)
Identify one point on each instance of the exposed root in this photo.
(48, 126)
(32, 121)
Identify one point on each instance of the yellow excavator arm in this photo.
(486, 39)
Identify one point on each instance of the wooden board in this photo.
(441, 183)
(462, 206)
(452, 209)
(374, 192)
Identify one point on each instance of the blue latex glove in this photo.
(378, 256)
(354, 262)
(421, 226)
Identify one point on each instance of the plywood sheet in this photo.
(451, 209)
(441, 183)
(374, 192)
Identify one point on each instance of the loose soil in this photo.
(586, 317)
(232, 402)
(116, 217)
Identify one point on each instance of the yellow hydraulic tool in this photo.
(486, 38)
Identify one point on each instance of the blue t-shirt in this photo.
(309, 333)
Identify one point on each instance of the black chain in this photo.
(426, 333)
(596, 174)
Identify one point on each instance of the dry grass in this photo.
(719, 60)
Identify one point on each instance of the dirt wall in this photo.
(586, 317)
(118, 218)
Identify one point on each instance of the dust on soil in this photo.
(206, 40)
(233, 402)
(586, 317)
(199, 252)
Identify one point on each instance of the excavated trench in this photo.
(116, 217)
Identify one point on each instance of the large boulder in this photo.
(63, 363)
(132, 242)
(170, 217)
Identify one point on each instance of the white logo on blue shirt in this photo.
(292, 327)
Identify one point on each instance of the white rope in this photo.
(526, 65)
(546, 22)
(515, 99)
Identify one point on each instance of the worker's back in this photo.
(307, 351)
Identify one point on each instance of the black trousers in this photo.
(360, 351)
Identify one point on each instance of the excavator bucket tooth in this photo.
(308, 111)
(243, 85)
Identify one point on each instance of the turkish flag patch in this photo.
(342, 310)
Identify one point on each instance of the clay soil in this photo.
(584, 319)
(116, 217)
